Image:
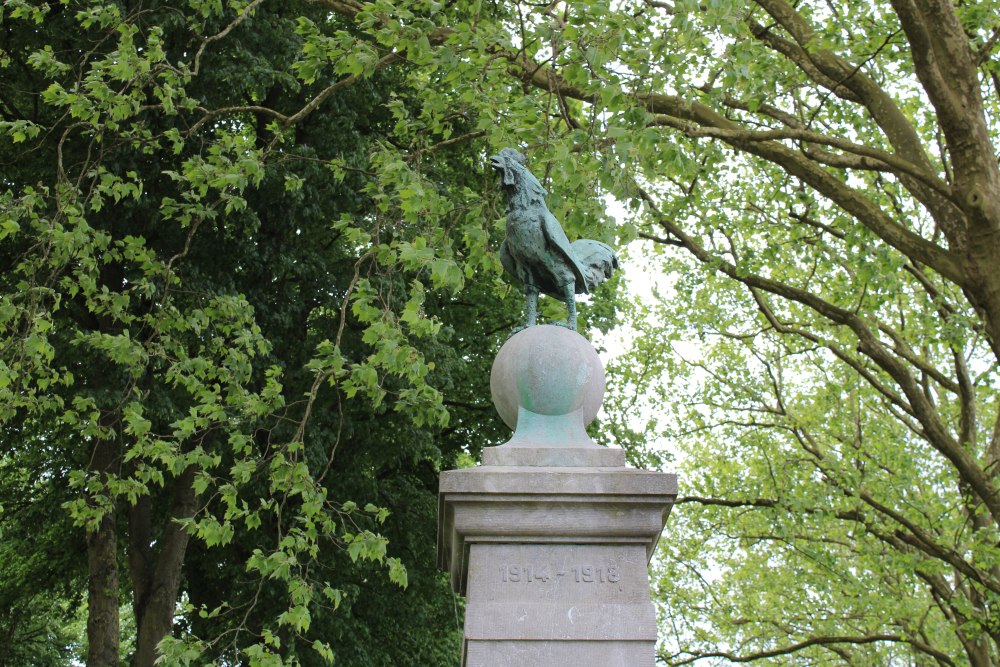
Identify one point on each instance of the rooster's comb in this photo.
(514, 154)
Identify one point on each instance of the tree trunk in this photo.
(140, 554)
(161, 583)
(102, 574)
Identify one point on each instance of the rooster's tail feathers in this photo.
(597, 259)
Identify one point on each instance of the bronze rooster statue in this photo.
(537, 252)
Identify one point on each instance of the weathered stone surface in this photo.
(550, 371)
(625, 483)
(539, 505)
(552, 561)
(569, 591)
(548, 384)
(558, 654)
(590, 457)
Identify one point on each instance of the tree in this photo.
(821, 179)
(237, 337)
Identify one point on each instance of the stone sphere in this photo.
(550, 371)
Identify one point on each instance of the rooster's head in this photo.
(509, 162)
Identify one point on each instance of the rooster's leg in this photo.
(531, 292)
(570, 293)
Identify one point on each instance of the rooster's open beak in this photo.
(497, 162)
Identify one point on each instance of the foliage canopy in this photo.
(240, 232)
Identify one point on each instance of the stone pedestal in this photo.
(550, 539)
(552, 562)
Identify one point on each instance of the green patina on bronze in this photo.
(547, 384)
(537, 252)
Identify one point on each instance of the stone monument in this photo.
(550, 538)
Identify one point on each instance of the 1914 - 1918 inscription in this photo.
(585, 574)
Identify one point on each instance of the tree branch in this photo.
(794, 648)
(871, 158)
(868, 344)
(883, 109)
(837, 75)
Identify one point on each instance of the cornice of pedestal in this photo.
(548, 505)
